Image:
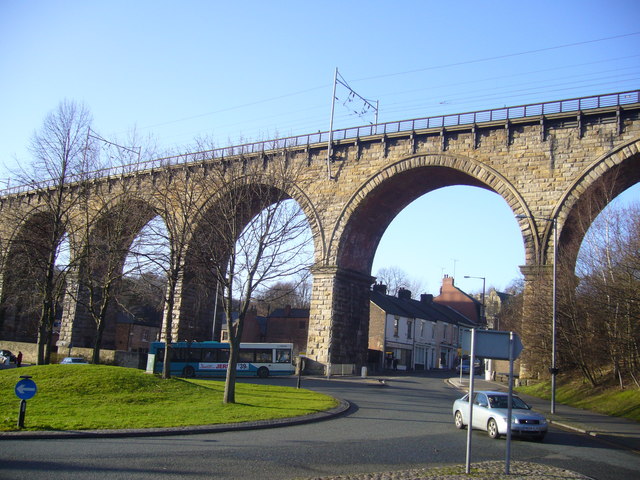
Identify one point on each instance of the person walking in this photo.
(19, 359)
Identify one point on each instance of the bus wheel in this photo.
(263, 372)
(188, 371)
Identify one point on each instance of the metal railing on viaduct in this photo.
(304, 141)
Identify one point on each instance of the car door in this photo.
(480, 411)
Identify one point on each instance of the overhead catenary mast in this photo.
(339, 79)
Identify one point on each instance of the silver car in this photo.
(490, 414)
(74, 361)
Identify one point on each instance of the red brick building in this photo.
(453, 297)
(283, 325)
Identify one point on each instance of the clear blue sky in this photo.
(251, 70)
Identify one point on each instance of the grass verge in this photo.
(608, 400)
(83, 397)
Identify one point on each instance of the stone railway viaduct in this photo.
(543, 160)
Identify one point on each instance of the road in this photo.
(403, 425)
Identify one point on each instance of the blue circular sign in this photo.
(26, 389)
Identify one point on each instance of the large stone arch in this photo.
(599, 183)
(338, 333)
(589, 193)
(25, 261)
(198, 284)
(382, 196)
(100, 254)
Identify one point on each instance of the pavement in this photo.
(616, 431)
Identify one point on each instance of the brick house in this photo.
(408, 334)
(282, 325)
(134, 334)
(460, 301)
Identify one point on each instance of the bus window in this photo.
(223, 355)
(179, 355)
(283, 355)
(209, 355)
(194, 354)
(264, 356)
(245, 356)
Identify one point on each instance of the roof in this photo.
(419, 309)
(293, 313)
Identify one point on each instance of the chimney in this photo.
(380, 288)
(426, 298)
(404, 294)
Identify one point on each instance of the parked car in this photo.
(465, 367)
(74, 361)
(490, 414)
(6, 357)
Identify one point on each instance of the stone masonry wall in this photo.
(541, 167)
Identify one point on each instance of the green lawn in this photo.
(80, 397)
(609, 401)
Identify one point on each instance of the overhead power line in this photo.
(392, 74)
(497, 57)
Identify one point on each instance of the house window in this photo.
(396, 323)
(422, 322)
(409, 328)
(433, 331)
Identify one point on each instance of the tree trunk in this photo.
(230, 383)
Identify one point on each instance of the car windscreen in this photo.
(501, 401)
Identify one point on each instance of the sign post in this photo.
(470, 397)
(498, 346)
(301, 358)
(25, 389)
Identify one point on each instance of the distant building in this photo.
(282, 325)
(290, 325)
(460, 301)
(134, 333)
(407, 334)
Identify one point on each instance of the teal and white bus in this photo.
(210, 359)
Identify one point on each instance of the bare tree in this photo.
(252, 235)
(294, 292)
(59, 151)
(598, 294)
(108, 224)
(395, 278)
(609, 293)
(162, 247)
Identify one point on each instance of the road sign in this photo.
(492, 344)
(26, 389)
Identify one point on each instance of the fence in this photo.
(440, 121)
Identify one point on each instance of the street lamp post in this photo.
(554, 369)
(483, 320)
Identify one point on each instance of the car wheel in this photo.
(188, 371)
(492, 429)
(263, 372)
(458, 420)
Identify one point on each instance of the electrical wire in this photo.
(393, 74)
